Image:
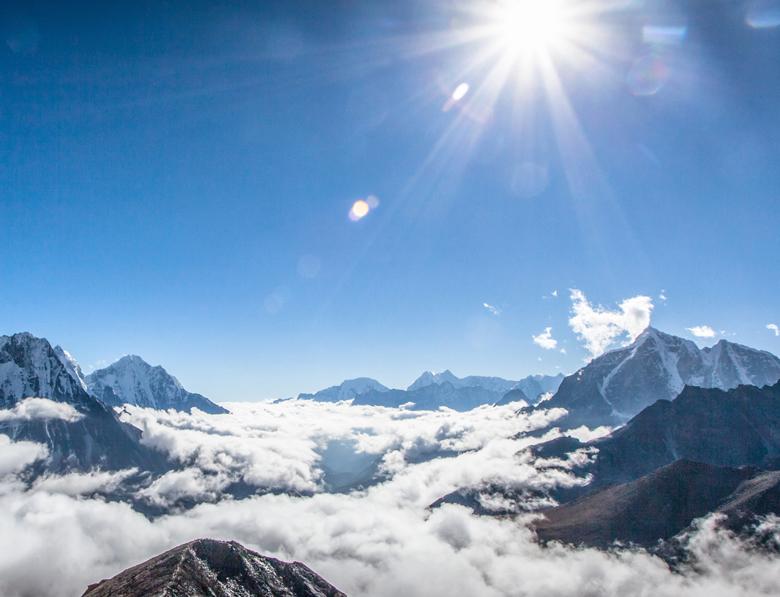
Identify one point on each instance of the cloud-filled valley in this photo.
(378, 539)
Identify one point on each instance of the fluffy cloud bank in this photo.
(382, 540)
(40, 408)
(599, 328)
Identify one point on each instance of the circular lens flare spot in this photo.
(647, 76)
(359, 210)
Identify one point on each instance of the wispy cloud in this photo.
(545, 339)
(598, 327)
(662, 296)
(772, 327)
(702, 331)
(493, 309)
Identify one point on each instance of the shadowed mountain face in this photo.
(662, 504)
(131, 380)
(619, 384)
(91, 436)
(209, 568)
(722, 428)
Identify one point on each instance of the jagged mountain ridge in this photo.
(210, 568)
(131, 380)
(619, 384)
(30, 367)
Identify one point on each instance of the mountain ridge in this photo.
(617, 385)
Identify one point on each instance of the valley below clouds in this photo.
(348, 491)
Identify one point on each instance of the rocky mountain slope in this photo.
(722, 428)
(661, 504)
(131, 380)
(209, 568)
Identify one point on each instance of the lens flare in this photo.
(362, 207)
(460, 92)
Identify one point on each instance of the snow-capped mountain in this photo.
(619, 384)
(78, 431)
(346, 390)
(131, 380)
(210, 567)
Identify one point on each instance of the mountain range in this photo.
(656, 366)
(431, 391)
(210, 568)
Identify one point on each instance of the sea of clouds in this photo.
(61, 533)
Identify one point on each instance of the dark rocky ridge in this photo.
(209, 568)
(661, 504)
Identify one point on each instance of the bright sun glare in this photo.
(530, 25)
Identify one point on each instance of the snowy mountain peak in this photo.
(131, 380)
(619, 384)
(30, 367)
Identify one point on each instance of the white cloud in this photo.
(662, 296)
(75, 484)
(15, 456)
(772, 327)
(545, 339)
(494, 310)
(40, 408)
(599, 327)
(702, 331)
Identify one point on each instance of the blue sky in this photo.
(176, 183)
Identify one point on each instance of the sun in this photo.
(524, 26)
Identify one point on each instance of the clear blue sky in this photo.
(175, 182)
